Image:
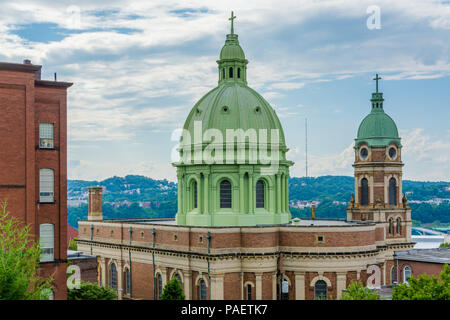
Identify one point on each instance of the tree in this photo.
(172, 290)
(73, 245)
(445, 245)
(425, 287)
(19, 261)
(356, 291)
(91, 291)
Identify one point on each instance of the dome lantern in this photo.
(232, 64)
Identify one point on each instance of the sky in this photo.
(138, 68)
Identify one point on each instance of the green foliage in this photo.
(425, 287)
(356, 291)
(172, 290)
(445, 245)
(91, 291)
(19, 262)
(73, 245)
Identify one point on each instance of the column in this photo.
(274, 286)
(250, 193)
(384, 273)
(103, 261)
(217, 287)
(206, 195)
(299, 286)
(200, 193)
(164, 276)
(341, 283)
(185, 195)
(241, 193)
(187, 284)
(241, 276)
(119, 280)
(286, 201)
(180, 184)
(278, 193)
(356, 189)
(258, 285)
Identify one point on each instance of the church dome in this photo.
(232, 49)
(234, 105)
(377, 129)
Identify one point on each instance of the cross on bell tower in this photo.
(232, 22)
(376, 79)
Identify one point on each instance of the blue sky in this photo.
(138, 68)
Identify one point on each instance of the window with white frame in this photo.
(47, 242)
(46, 136)
(46, 185)
(406, 274)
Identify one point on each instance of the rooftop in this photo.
(438, 255)
(299, 222)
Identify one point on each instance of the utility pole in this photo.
(306, 146)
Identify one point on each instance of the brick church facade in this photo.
(233, 236)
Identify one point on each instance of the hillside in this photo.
(138, 196)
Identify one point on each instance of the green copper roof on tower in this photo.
(377, 129)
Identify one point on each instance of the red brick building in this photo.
(33, 161)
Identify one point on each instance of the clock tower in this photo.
(378, 175)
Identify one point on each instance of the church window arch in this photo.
(397, 226)
(159, 286)
(390, 225)
(320, 290)
(392, 192)
(260, 194)
(113, 276)
(225, 194)
(239, 72)
(231, 72)
(364, 192)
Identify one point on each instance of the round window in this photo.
(363, 153)
(392, 153)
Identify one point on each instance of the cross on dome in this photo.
(376, 79)
(232, 22)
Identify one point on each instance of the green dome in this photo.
(232, 49)
(234, 105)
(377, 129)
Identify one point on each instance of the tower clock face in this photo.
(392, 153)
(363, 153)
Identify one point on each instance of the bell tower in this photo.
(378, 167)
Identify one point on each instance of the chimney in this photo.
(313, 212)
(95, 203)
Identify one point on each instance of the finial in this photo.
(376, 79)
(232, 22)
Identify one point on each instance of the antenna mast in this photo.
(306, 146)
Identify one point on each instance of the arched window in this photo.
(406, 274)
(390, 225)
(127, 281)
(158, 286)
(178, 277)
(239, 72)
(364, 192)
(202, 290)
(397, 226)
(320, 290)
(392, 192)
(194, 186)
(113, 277)
(223, 73)
(249, 292)
(225, 194)
(46, 185)
(47, 241)
(231, 72)
(260, 194)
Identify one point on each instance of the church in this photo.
(233, 236)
